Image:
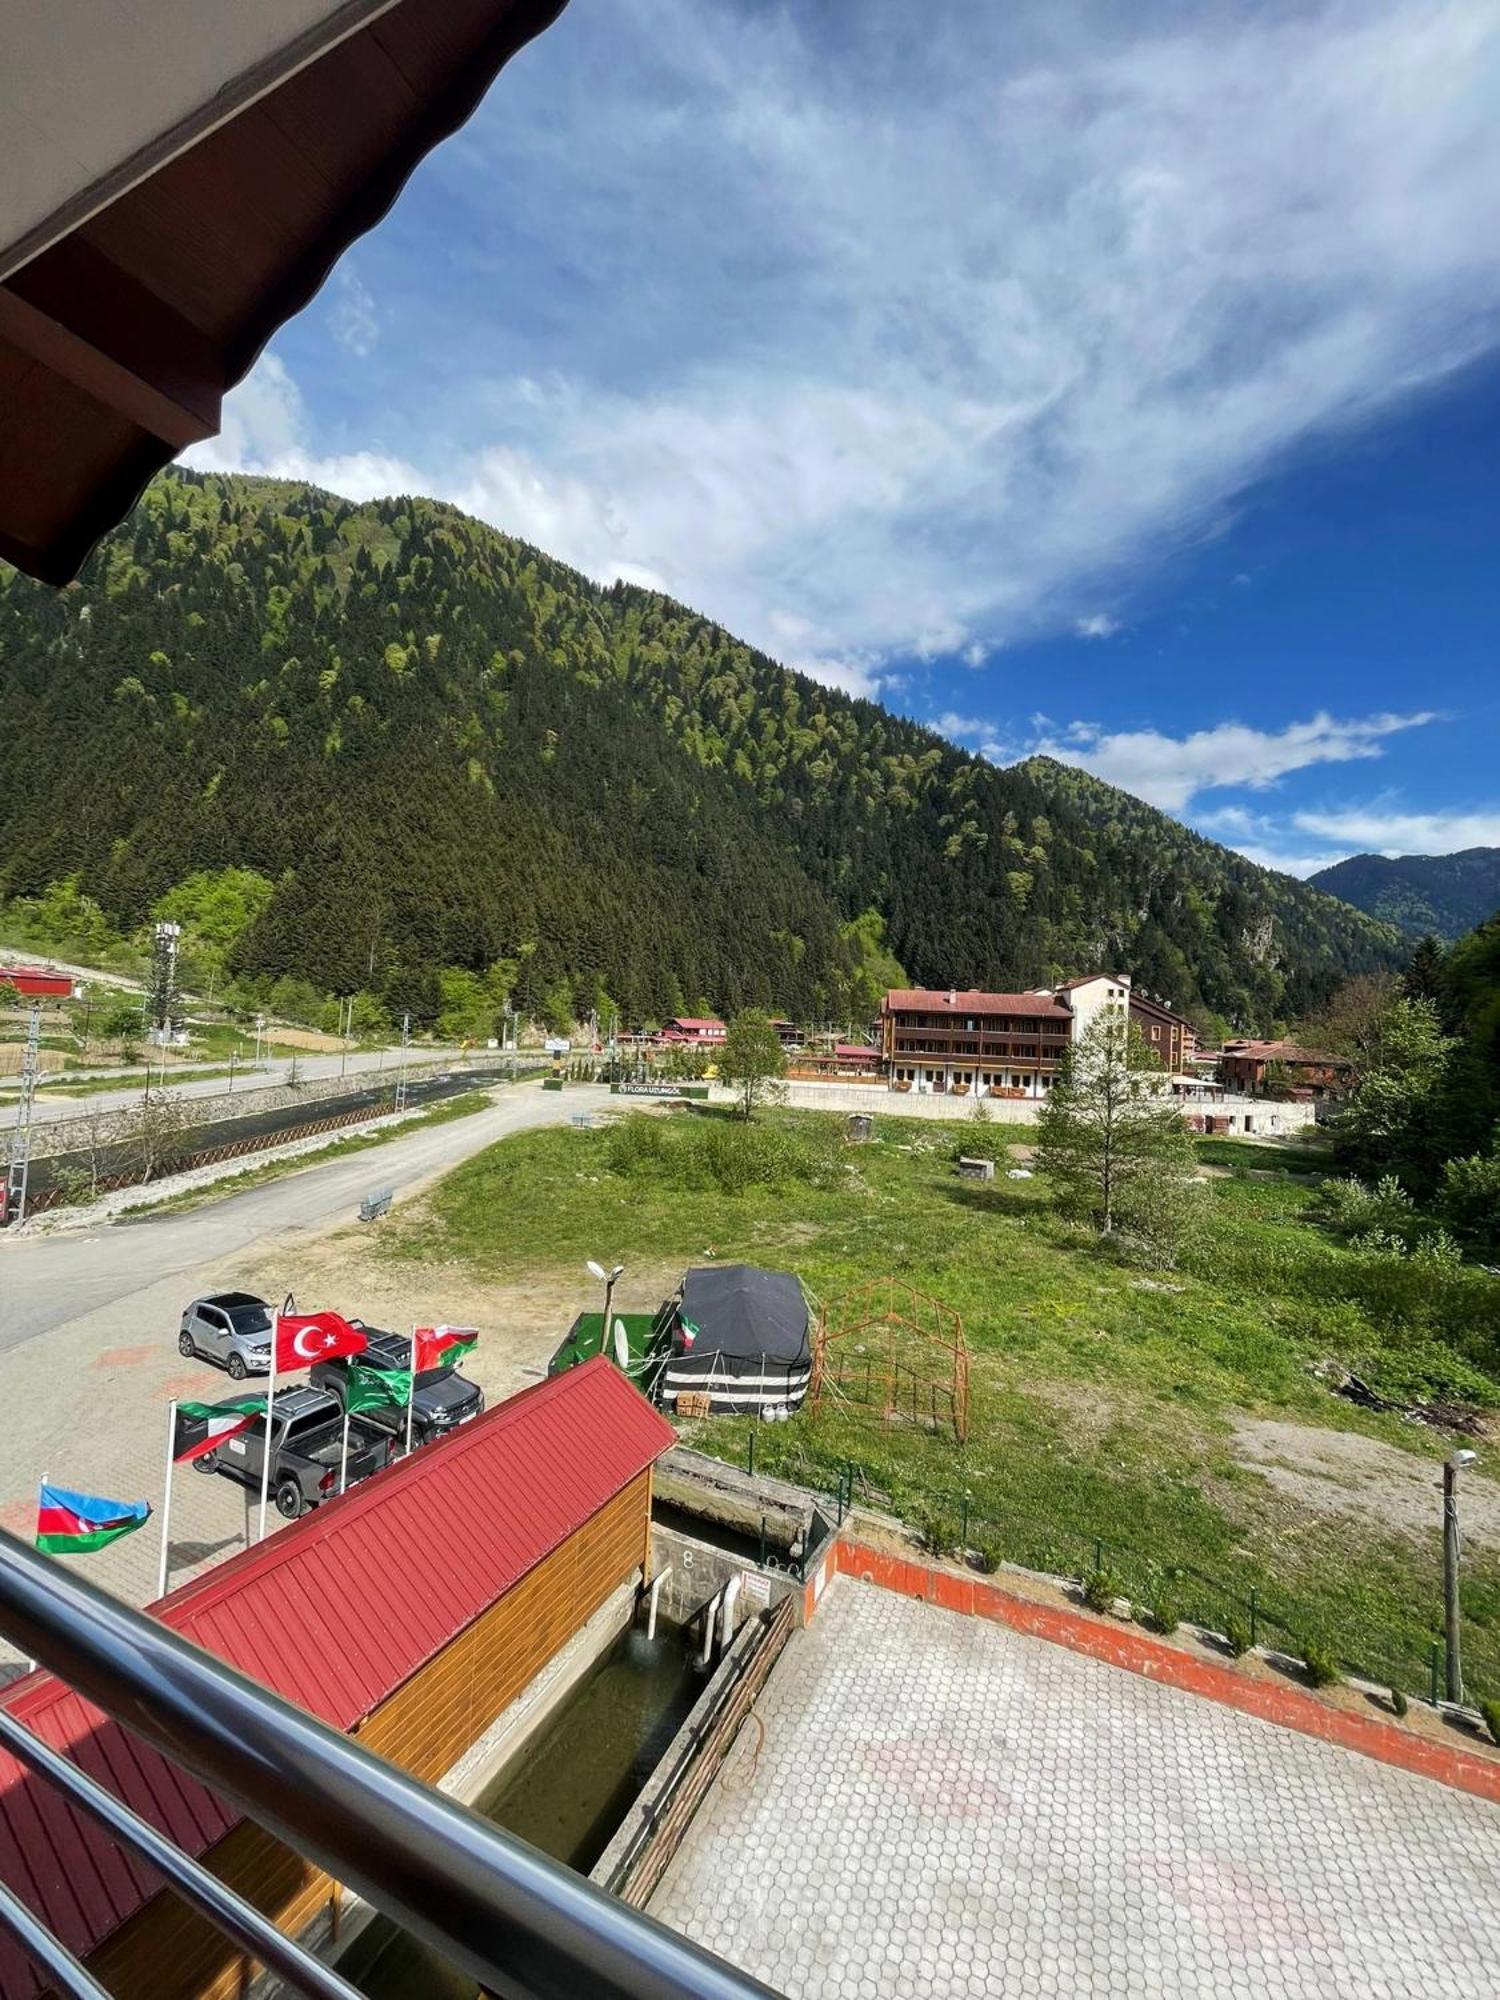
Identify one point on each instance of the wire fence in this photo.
(1242, 1613)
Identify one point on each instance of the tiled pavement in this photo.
(940, 1805)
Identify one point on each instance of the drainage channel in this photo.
(566, 1792)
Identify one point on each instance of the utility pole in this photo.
(1452, 1621)
(405, 1050)
(34, 986)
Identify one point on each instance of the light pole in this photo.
(1451, 1469)
(260, 1023)
(609, 1279)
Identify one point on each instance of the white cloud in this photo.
(1300, 865)
(936, 339)
(1097, 625)
(354, 319)
(1383, 829)
(959, 728)
(1171, 771)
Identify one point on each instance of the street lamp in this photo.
(609, 1279)
(1451, 1469)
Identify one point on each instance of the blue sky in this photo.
(1120, 382)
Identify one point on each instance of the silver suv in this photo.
(232, 1328)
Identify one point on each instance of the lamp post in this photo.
(609, 1279)
(1451, 1469)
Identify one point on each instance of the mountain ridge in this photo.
(441, 747)
(1444, 894)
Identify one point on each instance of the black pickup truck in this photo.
(305, 1453)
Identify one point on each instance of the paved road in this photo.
(370, 1062)
(46, 1281)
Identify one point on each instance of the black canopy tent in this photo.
(741, 1338)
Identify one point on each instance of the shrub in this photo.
(1237, 1637)
(1399, 1703)
(1469, 1198)
(1319, 1665)
(1164, 1613)
(1351, 1208)
(933, 1534)
(1100, 1589)
(1490, 1710)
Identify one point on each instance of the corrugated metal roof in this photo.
(309, 1613)
(940, 1000)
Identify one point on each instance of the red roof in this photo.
(856, 1051)
(941, 999)
(691, 1024)
(33, 980)
(334, 1614)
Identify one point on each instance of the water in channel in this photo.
(566, 1793)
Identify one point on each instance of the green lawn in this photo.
(1103, 1397)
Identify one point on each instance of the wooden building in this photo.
(1284, 1069)
(972, 1043)
(410, 1613)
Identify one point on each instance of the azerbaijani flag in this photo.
(444, 1346)
(201, 1426)
(371, 1388)
(70, 1524)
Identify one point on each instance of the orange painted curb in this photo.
(1137, 1653)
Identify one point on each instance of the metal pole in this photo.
(166, 1504)
(1451, 1621)
(265, 1455)
(411, 1390)
(344, 1453)
(231, 1072)
(39, 1945)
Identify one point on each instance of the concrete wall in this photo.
(1265, 1119)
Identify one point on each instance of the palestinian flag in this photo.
(444, 1346)
(371, 1388)
(71, 1524)
(201, 1426)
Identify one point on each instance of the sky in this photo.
(1121, 383)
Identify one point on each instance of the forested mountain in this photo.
(1444, 894)
(442, 749)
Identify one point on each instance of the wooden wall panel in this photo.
(170, 1953)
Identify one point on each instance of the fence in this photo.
(60, 1195)
(1247, 1614)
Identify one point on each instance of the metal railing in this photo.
(522, 1926)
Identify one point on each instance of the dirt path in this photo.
(1377, 1484)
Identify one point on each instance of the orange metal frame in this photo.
(899, 1320)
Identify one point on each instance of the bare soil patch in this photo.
(1345, 1472)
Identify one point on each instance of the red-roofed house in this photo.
(969, 1042)
(692, 1032)
(411, 1613)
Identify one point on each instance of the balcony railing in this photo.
(522, 1926)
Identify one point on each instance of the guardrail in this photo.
(521, 1925)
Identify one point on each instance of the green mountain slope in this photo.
(1445, 894)
(443, 748)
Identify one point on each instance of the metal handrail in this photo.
(521, 1925)
(59, 1964)
(226, 1911)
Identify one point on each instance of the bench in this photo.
(976, 1170)
(375, 1205)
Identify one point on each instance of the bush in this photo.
(1399, 1703)
(934, 1535)
(1100, 1589)
(1237, 1637)
(1490, 1710)
(1164, 1613)
(693, 1152)
(1351, 1208)
(1468, 1199)
(1319, 1665)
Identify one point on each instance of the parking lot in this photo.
(84, 1402)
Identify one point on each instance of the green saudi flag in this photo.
(376, 1388)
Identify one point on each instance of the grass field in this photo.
(1171, 1417)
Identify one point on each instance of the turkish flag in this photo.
(303, 1338)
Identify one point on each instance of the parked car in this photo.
(306, 1451)
(232, 1328)
(443, 1399)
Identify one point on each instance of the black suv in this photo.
(443, 1400)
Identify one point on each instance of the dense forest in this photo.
(422, 745)
(1445, 894)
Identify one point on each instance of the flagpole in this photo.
(344, 1453)
(411, 1390)
(166, 1505)
(265, 1455)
